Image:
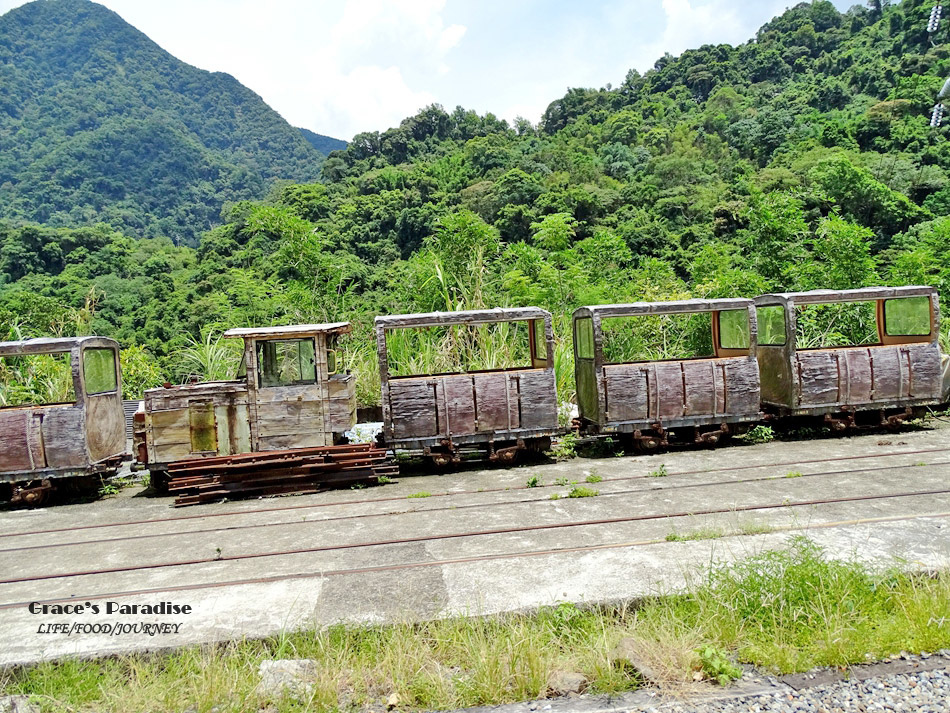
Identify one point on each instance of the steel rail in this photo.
(469, 534)
(438, 563)
(471, 506)
(308, 506)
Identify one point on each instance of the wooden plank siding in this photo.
(667, 392)
(454, 405)
(864, 376)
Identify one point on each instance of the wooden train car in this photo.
(703, 397)
(78, 437)
(290, 393)
(883, 360)
(496, 411)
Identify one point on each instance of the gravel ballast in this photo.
(922, 692)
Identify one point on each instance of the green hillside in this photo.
(802, 159)
(323, 144)
(98, 123)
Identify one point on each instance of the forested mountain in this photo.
(802, 159)
(98, 123)
(323, 144)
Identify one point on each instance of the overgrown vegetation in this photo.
(800, 160)
(786, 610)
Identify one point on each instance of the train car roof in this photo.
(473, 316)
(633, 309)
(291, 330)
(832, 296)
(53, 345)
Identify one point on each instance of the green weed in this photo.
(759, 434)
(566, 447)
(593, 478)
(579, 491)
(660, 472)
(420, 494)
(716, 666)
(534, 481)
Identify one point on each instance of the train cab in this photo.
(853, 357)
(647, 370)
(290, 392)
(60, 415)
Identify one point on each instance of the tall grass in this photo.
(786, 610)
(210, 359)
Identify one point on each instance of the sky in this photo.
(339, 67)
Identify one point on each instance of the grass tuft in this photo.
(579, 491)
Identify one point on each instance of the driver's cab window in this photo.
(286, 362)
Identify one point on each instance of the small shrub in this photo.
(566, 447)
(420, 494)
(716, 666)
(660, 472)
(760, 434)
(534, 481)
(579, 491)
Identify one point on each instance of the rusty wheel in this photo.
(32, 494)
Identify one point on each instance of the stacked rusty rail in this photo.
(302, 470)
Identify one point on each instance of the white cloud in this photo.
(364, 99)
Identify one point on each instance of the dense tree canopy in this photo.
(801, 159)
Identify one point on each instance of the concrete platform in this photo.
(481, 542)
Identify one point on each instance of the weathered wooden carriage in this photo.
(495, 411)
(895, 369)
(699, 398)
(290, 394)
(80, 437)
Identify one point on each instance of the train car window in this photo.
(657, 337)
(540, 340)
(771, 325)
(286, 362)
(458, 348)
(734, 330)
(907, 317)
(98, 370)
(584, 338)
(36, 379)
(835, 325)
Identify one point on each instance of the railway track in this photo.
(442, 562)
(785, 503)
(449, 494)
(470, 506)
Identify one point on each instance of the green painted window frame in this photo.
(98, 371)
